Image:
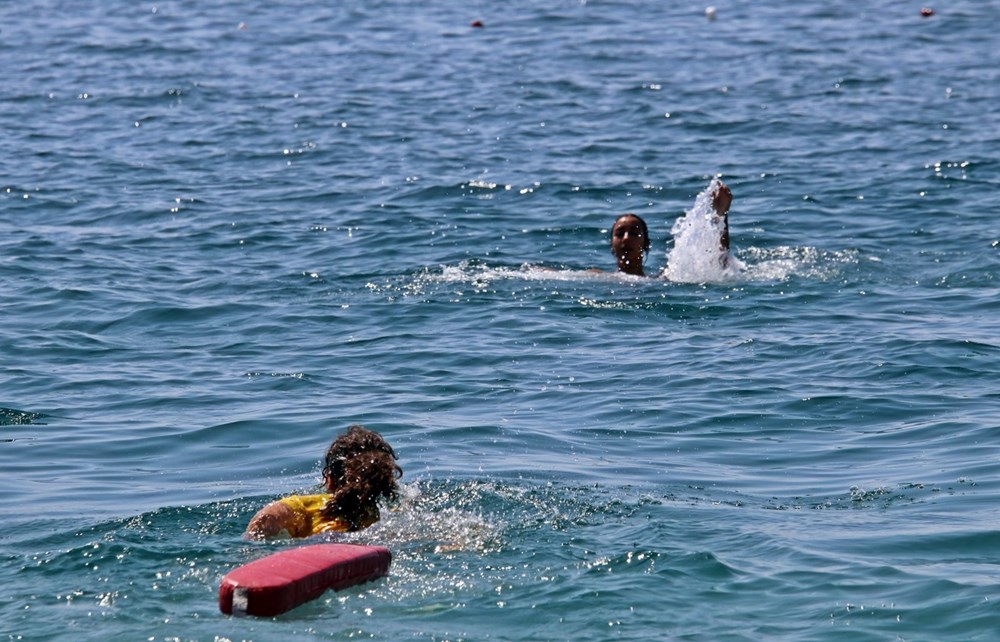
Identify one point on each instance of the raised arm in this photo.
(721, 201)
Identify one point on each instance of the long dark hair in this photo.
(360, 469)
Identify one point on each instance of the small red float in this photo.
(478, 24)
(926, 12)
(284, 580)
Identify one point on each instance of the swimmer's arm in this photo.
(721, 201)
(276, 519)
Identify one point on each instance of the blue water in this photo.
(229, 231)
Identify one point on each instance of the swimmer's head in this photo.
(630, 243)
(360, 470)
(356, 441)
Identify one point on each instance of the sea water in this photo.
(229, 230)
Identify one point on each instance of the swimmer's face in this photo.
(629, 240)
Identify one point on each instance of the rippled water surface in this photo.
(227, 231)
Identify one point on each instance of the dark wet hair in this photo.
(642, 224)
(360, 469)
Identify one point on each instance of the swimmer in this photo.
(360, 469)
(630, 236)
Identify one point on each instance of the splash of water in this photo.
(697, 256)
(781, 263)
(13, 416)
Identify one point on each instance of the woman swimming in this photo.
(360, 470)
(630, 236)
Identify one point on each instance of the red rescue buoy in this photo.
(478, 24)
(926, 12)
(280, 582)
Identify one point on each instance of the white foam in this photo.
(782, 263)
(466, 272)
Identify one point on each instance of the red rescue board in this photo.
(284, 580)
